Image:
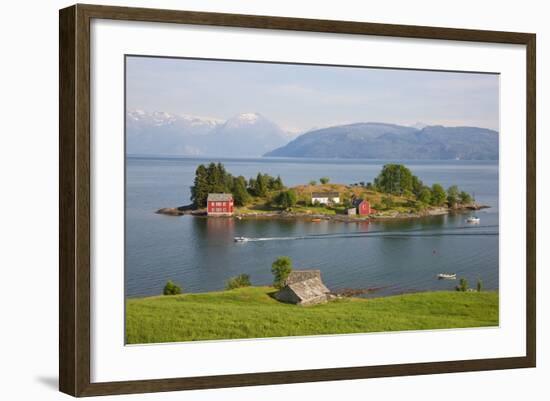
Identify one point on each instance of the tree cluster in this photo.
(215, 179)
(396, 179)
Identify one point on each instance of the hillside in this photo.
(388, 141)
(252, 313)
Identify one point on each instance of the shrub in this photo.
(324, 180)
(462, 285)
(281, 268)
(171, 288)
(286, 199)
(242, 280)
(313, 182)
(479, 285)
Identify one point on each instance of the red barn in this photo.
(219, 204)
(363, 207)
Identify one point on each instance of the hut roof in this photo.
(309, 290)
(301, 275)
(219, 197)
(356, 202)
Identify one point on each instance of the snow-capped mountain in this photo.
(244, 135)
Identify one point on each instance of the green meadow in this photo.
(251, 312)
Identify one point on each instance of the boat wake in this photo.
(414, 233)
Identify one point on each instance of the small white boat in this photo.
(472, 220)
(446, 276)
(240, 239)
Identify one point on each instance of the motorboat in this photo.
(472, 220)
(241, 239)
(446, 276)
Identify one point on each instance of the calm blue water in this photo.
(200, 253)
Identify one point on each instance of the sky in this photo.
(303, 97)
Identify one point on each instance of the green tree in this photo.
(425, 196)
(452, 195)
(240, 194)
(261, 185)
(465, 198)
(286, 199)
(313, 182)
(438, 195)
(201, 187)
(417, 185)
(171, 288)
(394, 179)
(462, 285)
(281, 268)
(324, 180)
(277, 184)
(479, 285)
(242, 280)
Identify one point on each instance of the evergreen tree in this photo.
(261, 185)
(201, 187)
(277, 184)
(240, 194)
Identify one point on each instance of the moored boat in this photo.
(446, 276)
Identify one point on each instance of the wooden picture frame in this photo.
(74, 199)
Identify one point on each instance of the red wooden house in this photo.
(363, 207)
(219, 204)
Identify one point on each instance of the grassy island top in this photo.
(394, 190)
(251, 312)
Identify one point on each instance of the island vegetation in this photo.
(395, 192)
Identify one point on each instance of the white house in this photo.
(325, 198)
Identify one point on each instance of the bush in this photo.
(286, 199)
(281, 268)
(324, 180)
(462, 285)
(242, 280)
(171, 288)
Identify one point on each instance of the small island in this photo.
(395, 193)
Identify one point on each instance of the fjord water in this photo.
(200, 254)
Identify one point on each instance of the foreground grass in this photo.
(252, 313)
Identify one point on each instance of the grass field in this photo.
(252, 313)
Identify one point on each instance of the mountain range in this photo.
(161, 133)
(389, 141)
(253, 135)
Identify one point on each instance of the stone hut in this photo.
(303, 287)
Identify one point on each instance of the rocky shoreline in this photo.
(188, 210)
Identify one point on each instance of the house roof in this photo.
(309, 289)
(302, 275)
(358, 201)
(325, 195)
(219, 197)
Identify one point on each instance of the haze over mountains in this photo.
(253, 135)
(161, 133)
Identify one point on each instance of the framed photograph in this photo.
(250, 200)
